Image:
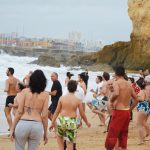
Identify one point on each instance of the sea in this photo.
(22, 67)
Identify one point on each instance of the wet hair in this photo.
(37, 82)
(120, 71)
(141, 83)
(100, 78)
(11, 70)
(132, 80)
(72, 86)
(126, 77)
(106, 76)
(21, 86)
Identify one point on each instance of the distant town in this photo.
(72, 43)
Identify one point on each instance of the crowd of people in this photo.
(113, 101)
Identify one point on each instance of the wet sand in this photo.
(88, 138)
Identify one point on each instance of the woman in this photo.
(143, 111)
(20, 86)
(68, 77)
(32, 114)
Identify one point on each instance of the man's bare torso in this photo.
(122, 101)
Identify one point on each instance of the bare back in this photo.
(33, 105)
(12, 82)
(122, 101)
(69, 105)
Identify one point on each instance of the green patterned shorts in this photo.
(67, 128)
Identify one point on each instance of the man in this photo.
(120, 102)
(26, 79)
(10, 89)
(56, 93)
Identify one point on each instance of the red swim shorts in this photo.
(118, 129)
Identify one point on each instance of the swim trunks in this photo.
(67, 128)
(9, 99)
(144, 106)
(118, 129)
(52, 107)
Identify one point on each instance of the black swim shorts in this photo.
(52, 108)
(9, 99)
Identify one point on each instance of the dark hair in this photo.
(100, 78)
(72, 86)
(126, 77)
(21, 86)
(37, 82)
(120, 71)
(106, 76)
(84, 76)
(69, 75)
(132, 80)
(141, 83)
(11, 70)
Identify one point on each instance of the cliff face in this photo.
(134, 54)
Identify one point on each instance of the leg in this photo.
(140, 127)
(35, 135)
(21, 135)
(7, 111)
(69, 146)
(60, 142)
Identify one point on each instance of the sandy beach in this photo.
(88, 138)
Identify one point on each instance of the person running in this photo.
(66, 113)
(10, 89)
(143, 111)
(32, 114)
(56, 93)
(26, 79)
(20, 86)
(119, 101)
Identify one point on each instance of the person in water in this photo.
(31, 119)
(67, 113)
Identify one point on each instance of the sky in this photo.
(105, 20)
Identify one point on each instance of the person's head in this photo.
(54, 76)
(69, 75)
(30, 72)
(99, 79)
(10, 71)
(20, 86)
(72, 86)
(141, 71)
(81, 77)
(131, 80)
(120, 71)
(38, 81)
(106, 76)
(146, 72)
(110, 85)
(141, 83)
(147, 80)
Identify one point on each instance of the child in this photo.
(67, 123)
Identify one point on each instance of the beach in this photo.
(88, 138)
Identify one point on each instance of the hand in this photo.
(11, 135)
(45, 139)
(10, 105)
(51, 127)
(88, 124)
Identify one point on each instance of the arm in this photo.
(135, 98)
(83, 114)
(6, 86)
(115, 93)
(18, 114)
(53, 93)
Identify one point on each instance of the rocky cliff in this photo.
(134, 54)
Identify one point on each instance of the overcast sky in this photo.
(105, 20)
